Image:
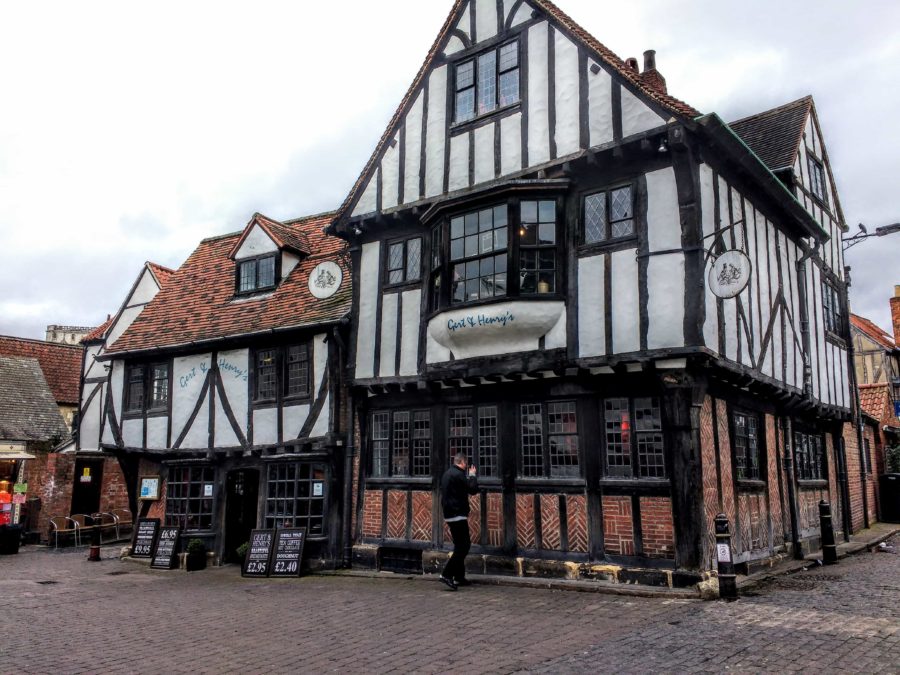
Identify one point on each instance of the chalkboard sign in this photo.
(256, 562)
(144, 537)
(165, 553)
(288, 552)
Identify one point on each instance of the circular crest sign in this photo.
(729, 274)
(325, 279)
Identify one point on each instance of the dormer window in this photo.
(256, 274)
(487, 82)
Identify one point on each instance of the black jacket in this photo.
(455, 491)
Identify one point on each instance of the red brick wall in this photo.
(711, 497)
(525, 521)
(773, 452)
(618, 529)
(753, 523)
(895, 314)
(494, 519)
(396, 514)
(657, 527)
(854, 481)
(728, 499)
(576, 522)
(154, 509)
(550, 538)
(371, 513)
(421, 516)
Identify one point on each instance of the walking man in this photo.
(457, 483)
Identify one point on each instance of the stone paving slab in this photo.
(112, 616)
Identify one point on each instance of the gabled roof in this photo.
(600, 52)
(875, 401)
(198, 304)
(774, 135)
(160, 273)
(283, 236)
(99, 332)
(60, 363)
(28, 410)
(875, 333)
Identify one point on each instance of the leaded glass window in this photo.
(746, 446)
(297, 371)
(296, 496)
(256, 274)
(809, 456)
(817, 179)
(473, 431)
(608, 215)
(134, 398)
(549, 440)
(189, 497)
(159, 385)
(478, 243)
(266, 375)
(486, 82)
(633, 438)
(401, 443)
(405, 261)
(537, 247)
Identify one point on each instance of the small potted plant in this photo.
(241, 551)
(196, 555)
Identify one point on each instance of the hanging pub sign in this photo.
(729, 274)
(288, 552)
(165, 554)
(259, 553)
(144, 537)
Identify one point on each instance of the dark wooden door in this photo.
(86, 489)
(241, 493)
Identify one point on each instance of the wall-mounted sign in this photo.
(729, 274)
(20, 488)
(318, 488)
(149, 487)
(325, 279)
(207, 489)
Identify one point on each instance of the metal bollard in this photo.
(727, 579)
(829, 549)
(94, 554)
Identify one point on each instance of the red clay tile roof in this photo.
(198, 303)
(602, 53)
(98, 332)
(874, 399)
(162, 274)
(774, 135)
(874, 332)
(60, 363)
(27, 409)
(281, 234)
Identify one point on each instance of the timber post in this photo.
(727, 578)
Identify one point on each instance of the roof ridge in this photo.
(39, 342)
(776, 109)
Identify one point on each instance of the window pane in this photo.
(595, 218)
(620, 204)
(297, 371)
(487, 441)
(547, 233)
(532, 436)
(413, 259)
(529, 212)
(465, 105)
(618, 437)
(421, 450)
(547, 212)
(562, 429)
(509, 87)
(248, 276)
(400, 454)
(265, 374)
(487, 82)
(159, 393)
(266, 272)
(509, 56)
(461, 433)
(380, 443)
(395, 258)
(465, 75)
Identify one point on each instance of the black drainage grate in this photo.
(46, 583)
(116, 573)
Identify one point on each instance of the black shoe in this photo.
(448, 582)
(463, 582)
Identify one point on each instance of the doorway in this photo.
(241, 493)
(86, 489)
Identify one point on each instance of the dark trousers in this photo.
(462, 542)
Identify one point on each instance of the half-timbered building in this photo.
(631, 315)
(226, 386)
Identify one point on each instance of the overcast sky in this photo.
(130, 131)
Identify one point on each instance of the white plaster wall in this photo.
(133, 433)
(454, 44)
(126, 318)
(320, 360)
(707, 215)
(256, 243)
(754, 288)
(538, 96)
(663, 219)
(636, 116)
(556, 336)
(568, 127)
(814, 354)
(90, 421)
(599, 105)
(265, 426)
(224, 433)
(484, 153)
(157, 431)
(234, 367)
(145, 290)
(117, 384)
(434, 351)
(591, 310)
(794, 255)
(368, 199)
(769, 281)
(320, 427)
(390, 174)
(665, 305)
(511, 144)
(293, 418)
(389, 309)
(188, 377)
(459, 162)
(413, 150)
(91, 367)
(409, 341)
(626, 302)
(368, 303)
(436, 129)
(288, 262)
(485, 19)
(464, 24)
(523, 14)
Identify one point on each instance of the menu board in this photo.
(166, 551)
(288, 552)
(256, 561)
(144, 537)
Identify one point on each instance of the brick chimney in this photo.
(895, 314)
(651, 76)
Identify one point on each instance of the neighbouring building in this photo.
(30, 425)
(224, 381)
(632, 316)
(67, 335)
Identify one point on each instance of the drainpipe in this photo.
(792, 495)
(346, 528)
(802, 291)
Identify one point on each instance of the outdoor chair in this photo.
(106, 522)
(63, 525)
(123, 519)
(85, 525)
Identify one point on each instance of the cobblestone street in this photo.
(64, 615)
